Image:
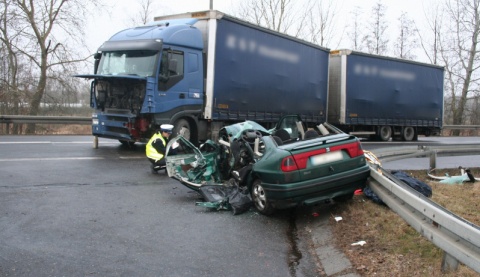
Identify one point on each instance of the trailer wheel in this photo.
(182, 127)
(384, 133)
(408, 133)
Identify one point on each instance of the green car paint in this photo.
(301, 171)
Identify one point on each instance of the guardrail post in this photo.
(449, 263)
(95, 142)
(433, 159)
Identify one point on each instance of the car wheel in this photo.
(260, 200)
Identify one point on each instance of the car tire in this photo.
(259, 197)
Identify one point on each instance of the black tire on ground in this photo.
(127, 143)
(408, 133)
(384, 133)
(260, 200)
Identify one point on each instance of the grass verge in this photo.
(393, 248)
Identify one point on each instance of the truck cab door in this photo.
(180, 79)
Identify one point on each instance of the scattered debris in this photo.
(230, 196)
(414, 183)
(371, 158)
(338, 218)
(465, 176)
(361, 243)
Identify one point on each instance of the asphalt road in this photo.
(67, 209)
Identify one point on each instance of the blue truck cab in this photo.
(201, 71)
(145, 76)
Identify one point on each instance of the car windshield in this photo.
(138, 63)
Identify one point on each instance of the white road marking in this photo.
(50, 159)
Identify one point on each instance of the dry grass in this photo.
(393, 248)
(57, 129)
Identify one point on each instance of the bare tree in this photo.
(42, 34)
(319, 22)
(10, 35)
(277, 15)
(430, 40)
(406, 42)
(355, 27)
(460, 54)
(144, 15)
(376, 39)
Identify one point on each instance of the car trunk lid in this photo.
(323, 156)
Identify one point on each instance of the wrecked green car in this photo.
(283, 167)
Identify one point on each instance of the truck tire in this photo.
(408, 133)
(182, 127)
(384, 133)
(127, 143)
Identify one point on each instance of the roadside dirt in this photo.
(392, 247)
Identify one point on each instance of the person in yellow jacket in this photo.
(156, 147)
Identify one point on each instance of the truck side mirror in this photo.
(97, 57)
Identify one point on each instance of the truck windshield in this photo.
(138, 63)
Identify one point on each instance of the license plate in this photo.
(326, 158)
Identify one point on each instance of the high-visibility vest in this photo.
(151, 152)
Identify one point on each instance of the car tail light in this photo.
(299, 161)
(288, 164)
(353, 149)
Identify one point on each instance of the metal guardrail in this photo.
(87, 120)
(461, 127)
(457, 237)
(8, 119)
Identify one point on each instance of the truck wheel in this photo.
(182, 127)
(408, 133)
(384, 133)
(260, 200)
(127, 143)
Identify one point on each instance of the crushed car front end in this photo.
(303, 167)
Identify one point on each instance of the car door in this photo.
(191, 166)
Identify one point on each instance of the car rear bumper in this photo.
(316, 190)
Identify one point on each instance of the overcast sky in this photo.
(103, 25)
